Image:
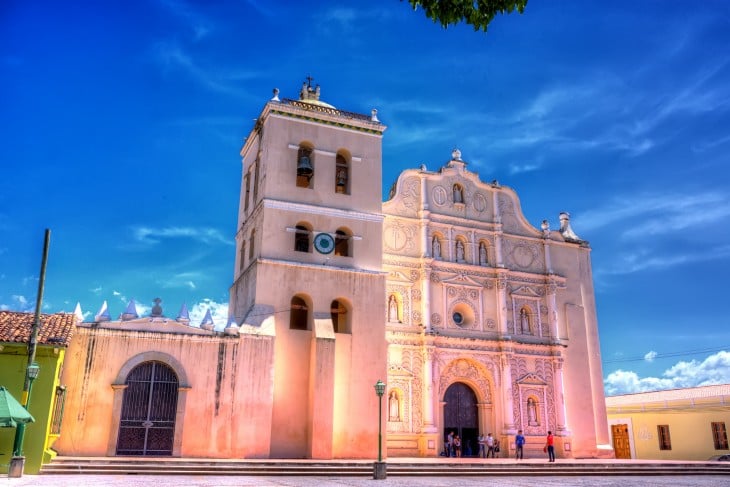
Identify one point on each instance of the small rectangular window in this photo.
(665, 442)
(58, 405)
(719, 436)
(246, 194)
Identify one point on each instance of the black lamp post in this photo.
(17, 462)
(380, 472)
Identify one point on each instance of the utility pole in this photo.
(31, 368)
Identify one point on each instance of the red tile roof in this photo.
(56, 329)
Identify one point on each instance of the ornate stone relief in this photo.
(403, 294)
(506, 211)
(435, 319)
(411, 193)
(480, 202)
(399, 237)
(522, 255)
(415, 294)
(463, 370)
(439, 196)
(537, 385)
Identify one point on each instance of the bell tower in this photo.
(309, 270)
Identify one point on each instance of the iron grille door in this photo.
(147, 424)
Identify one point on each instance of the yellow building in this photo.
(678, 424)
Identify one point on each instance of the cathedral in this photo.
(476, 321)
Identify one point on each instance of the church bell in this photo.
(304, 167)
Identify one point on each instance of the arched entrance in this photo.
(147, 421)
(461, 416)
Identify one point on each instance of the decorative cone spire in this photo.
(131, 312)
(207, 323)
(103, 314)
(184, 315)
(78, 313)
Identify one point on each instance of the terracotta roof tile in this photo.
(56, 329)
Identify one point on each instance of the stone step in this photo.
(363, 468)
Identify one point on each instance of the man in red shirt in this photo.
(549, 446)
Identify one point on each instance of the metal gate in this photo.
(147, 424)
(461, 416)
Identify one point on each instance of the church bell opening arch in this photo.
(461, 416)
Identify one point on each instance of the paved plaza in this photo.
(274, 481)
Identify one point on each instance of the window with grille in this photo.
(58, 405)
(665, 443)
(719, 436)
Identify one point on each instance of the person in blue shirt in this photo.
(519, 443)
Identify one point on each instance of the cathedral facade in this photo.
(476, 321)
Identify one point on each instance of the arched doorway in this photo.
(147, 421)
(461, 416)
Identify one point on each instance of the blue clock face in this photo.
(324, 243)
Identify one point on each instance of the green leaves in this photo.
(477, 13)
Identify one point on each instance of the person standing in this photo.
(450, 444)
(457, 446)
(519, 444)
(550, 447)
(482, 446)
(490, 445)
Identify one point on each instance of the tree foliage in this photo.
(477, 13)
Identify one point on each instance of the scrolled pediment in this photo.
(531, 380)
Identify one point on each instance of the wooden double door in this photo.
(621, 441)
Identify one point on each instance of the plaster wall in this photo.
(38, 440)
(690, 432)
(224, 398)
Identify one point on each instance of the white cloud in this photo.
(715, 369)
(149, 235)
(650, 356)
(218, 310)
(645, 259)
(21, 302)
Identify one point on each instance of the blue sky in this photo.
(122, 122)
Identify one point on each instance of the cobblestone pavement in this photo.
(230, 481)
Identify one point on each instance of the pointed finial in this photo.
(131, 312)
(103, 314)
(78, 313)
(184, 315)
(207, 323)
(276, 95)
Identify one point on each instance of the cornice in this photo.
(322, 210)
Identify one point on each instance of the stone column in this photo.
(509, 420)
(561, 429)
(502, 304)
(550, 291)
(428, 390)
(426, 298)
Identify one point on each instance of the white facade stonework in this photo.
(477, 322)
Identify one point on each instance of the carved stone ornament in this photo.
(416, 294)
(436, 319)
(480, 202)
(440, 196)
(435, 278)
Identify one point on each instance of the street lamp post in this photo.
(17, 462)
(380, 471)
